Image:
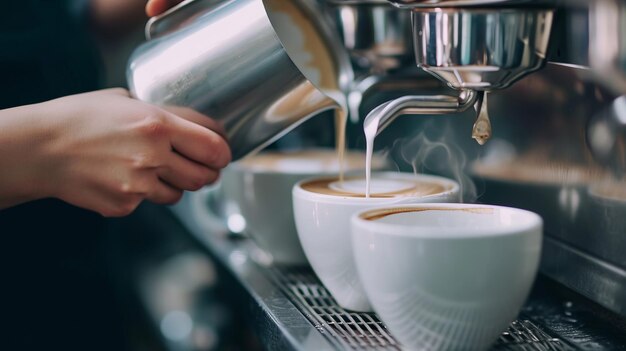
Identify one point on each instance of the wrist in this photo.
(24, 140)
(48, 146)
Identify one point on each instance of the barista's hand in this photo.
(157, 7)
(112, 19)
(107, 152)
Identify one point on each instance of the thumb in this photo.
(157, 7)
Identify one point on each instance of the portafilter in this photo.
(475, 45)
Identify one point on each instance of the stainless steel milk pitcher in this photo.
(225, 60)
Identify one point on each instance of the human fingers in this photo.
(199, 144)
(107, 203)
(163, 194)
(157, 7)
(197, 117)
(185, 174)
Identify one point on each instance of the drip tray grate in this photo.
(364, 331)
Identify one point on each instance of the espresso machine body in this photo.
(558, 113)
(566, 128)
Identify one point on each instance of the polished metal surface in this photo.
(407, 79)
(463, 3)
(607, 42)
(376, 34)
(350, 330)
(596, 39)
(385, 113)
(378, 38)
(482, 49)
(585, 273)
(229, 64)
(560, 150)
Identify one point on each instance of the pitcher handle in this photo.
(179, 16)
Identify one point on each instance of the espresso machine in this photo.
(555, 72)
(541, 83)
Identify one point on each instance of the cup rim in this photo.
(533, 222)
(238, 166)
(453, 189)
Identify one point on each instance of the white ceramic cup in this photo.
(323, 224)
(447, 276)
(260, 186)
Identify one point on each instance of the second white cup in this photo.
(447, 276)
(260, 187)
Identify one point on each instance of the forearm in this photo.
(25, 136)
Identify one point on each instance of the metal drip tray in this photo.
(353, 329)
(364, 331)
(524, 335)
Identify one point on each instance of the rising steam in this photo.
(436, 155)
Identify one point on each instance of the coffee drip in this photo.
(341, 119)
(481, 132)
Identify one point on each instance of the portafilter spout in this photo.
(380, 117)
(474, 46)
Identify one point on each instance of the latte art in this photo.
(380, 187)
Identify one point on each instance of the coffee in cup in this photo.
(382, 187)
